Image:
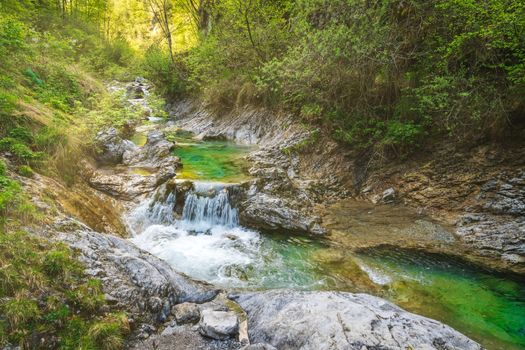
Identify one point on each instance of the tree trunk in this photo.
(168, 32)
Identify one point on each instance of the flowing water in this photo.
(207, 243)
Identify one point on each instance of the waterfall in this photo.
(206, 242)
(205, 207)
(212, 210)
(162, 213)
(151, 213)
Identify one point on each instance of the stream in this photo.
(207, 243)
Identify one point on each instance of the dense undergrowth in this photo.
(52, 101)
(47, 302)
(391, 75)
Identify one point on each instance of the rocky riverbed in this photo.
(287, 191)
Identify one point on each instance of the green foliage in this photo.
(7, 102)
(26, 171)
(12, 37)
(40, 289)
(158, 67)
(57, 263)
(20, 311)
(108, 333)
(375, 74)
(14, 205)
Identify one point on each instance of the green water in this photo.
(486, 305)
(221, 161)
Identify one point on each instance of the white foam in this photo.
(207, 243)
(376, 275)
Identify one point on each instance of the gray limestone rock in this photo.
(111, 147)
(186, 313)
(219, 324)
(145, 285)
(334, 320)
(269, 213)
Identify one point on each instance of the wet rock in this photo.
(154, 154)
(143, 284)
(186, 313)
(335, 320)
(389, 195)
(269, 213)
(259, 346)
(111, 147)
(219, 324)
(145, 168)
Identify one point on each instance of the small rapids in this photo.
(206, 242)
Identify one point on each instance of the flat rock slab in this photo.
(290, 320)
(219, 324)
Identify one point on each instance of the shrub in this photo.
(26, 171)
(108, 333)
(20, 311)
(58, 263)
(12, 37)
(3, 168)
(8, 102)
(9, 195)
(159, 68)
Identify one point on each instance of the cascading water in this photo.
(206, 242)
(210, 210)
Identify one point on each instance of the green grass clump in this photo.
(46, 301)
(13, 203)
(26, 171)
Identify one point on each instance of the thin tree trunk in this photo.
(168, 33)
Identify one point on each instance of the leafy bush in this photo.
(10, 194)
(375, 74)
(12, 37)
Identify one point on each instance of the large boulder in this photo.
(156, 153)
(271, 213)
(111, 147)
(124, 183)
(144, 285)
(186, 313)
(290, 320)
(143, 169)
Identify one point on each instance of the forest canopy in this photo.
(386, 74)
